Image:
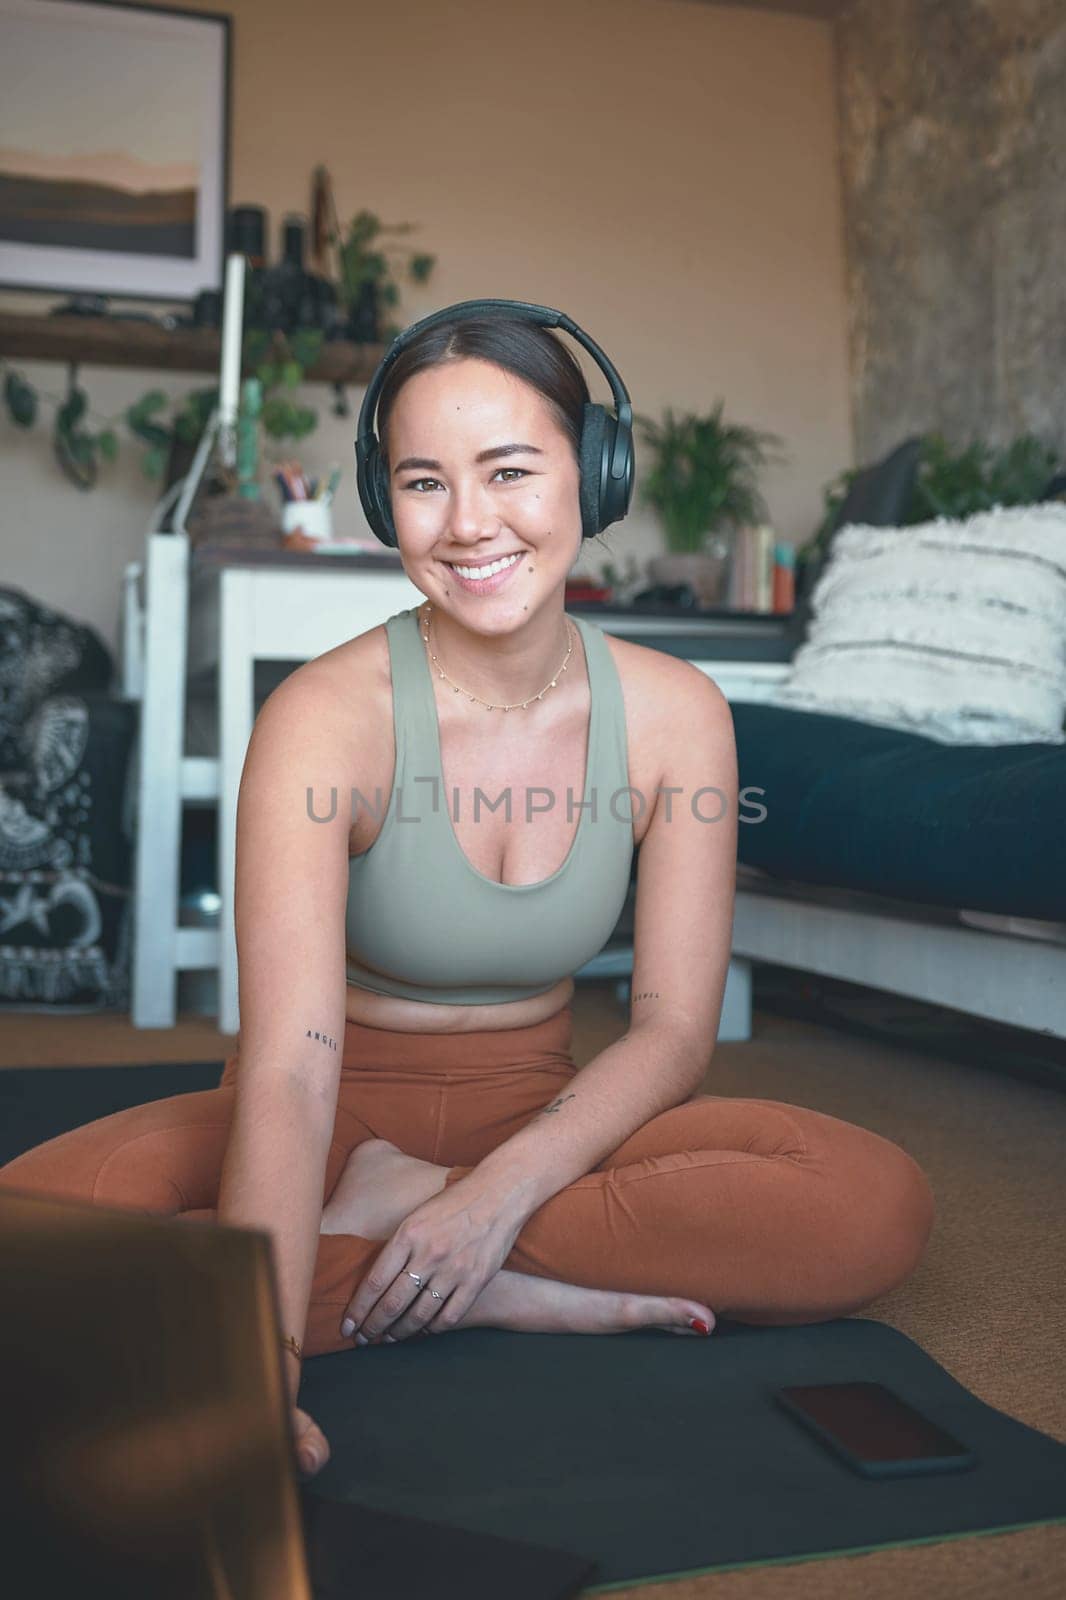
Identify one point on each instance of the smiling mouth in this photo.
(487, 563)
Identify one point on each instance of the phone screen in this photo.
(872, 1422)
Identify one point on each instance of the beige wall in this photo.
(663, 171)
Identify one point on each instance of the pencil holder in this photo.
(313, 518)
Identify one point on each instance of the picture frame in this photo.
(114, 148)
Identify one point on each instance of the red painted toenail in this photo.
(699, 1325)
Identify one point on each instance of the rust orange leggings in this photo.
(766, 1212)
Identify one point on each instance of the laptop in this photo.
(148, 1447)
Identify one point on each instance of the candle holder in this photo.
(312, 518)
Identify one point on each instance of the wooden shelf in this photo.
(118, 342)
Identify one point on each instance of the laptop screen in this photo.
(147, 1436)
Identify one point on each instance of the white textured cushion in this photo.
(952, 629)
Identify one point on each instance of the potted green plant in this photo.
(366, 282)
(704, 484)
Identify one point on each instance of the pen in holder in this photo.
(312, 518)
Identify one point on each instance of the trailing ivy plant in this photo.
(148, 421)
(281, 363)
(156, 420)
(77, 448)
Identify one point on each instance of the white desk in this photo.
(237, 615)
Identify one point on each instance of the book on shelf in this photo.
(761, 574)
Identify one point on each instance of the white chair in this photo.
(154, 634)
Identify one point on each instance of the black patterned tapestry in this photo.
(65, 848)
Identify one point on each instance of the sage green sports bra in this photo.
(422, 922)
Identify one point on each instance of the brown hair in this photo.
(525, 348)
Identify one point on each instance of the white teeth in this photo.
(483, 572)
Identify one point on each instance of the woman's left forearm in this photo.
(647, 1071)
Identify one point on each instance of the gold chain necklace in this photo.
(518, 703)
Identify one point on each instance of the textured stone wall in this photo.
(953, 144)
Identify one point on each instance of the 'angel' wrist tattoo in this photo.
(323, 1038)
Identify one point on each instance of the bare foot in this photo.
(380, 1186)
(520, 1301)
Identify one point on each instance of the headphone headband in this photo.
(603, 501)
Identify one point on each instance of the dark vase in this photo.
(364, 318)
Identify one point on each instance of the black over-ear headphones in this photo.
(606, 452)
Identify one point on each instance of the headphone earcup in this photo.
(593, 468)
(617, 492)
(379, 512)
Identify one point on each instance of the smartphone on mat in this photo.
(872, 1430)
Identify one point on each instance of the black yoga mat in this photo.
(355, 1553)
(650, 1455)
(657, 1456)
(37, 1103)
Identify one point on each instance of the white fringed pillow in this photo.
(952, 629)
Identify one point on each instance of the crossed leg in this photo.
(767, 1212)
(770, 1213)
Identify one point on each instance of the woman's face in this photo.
(450, 507)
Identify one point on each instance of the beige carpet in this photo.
(988, 1302)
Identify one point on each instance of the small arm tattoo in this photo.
(323, 1038)
(557, 1103)
(647, 994)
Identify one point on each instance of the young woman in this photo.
(403, 1112)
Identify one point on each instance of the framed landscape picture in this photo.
(114, 148)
